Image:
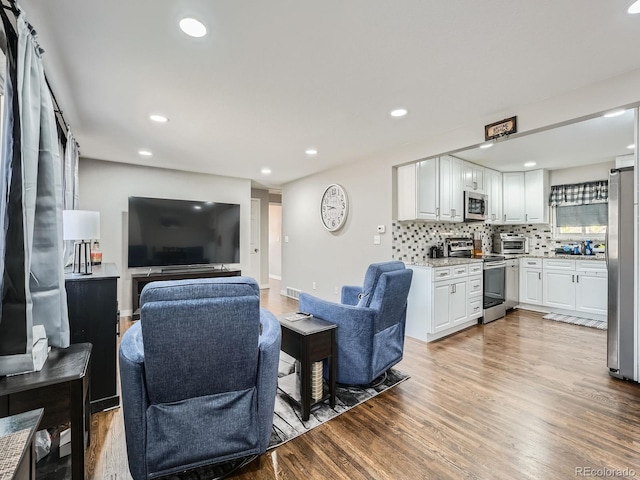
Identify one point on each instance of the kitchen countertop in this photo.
(451, 261)
(445, 262)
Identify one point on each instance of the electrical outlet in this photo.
(376, 239)
(313, 285)
(286, 239)
(335, 290)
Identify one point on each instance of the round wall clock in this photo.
(334, 207)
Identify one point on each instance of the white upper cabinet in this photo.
(451, 196)
(418, 189)
(513, 197)
(493, 189)
(526, 197)
(473, 177)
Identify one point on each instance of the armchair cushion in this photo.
(371, 279)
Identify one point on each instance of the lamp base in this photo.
(82, 258)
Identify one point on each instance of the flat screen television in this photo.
(164, 232)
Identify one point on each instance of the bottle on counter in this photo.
(96, 254)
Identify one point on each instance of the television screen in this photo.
(166, 232)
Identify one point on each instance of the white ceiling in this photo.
(274, 78)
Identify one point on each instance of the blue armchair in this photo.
(199, 375)
(370, 319)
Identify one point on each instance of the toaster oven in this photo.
(509, 243)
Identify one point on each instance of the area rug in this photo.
(585, 322)
(287, 420)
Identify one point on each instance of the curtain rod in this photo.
(62, 123)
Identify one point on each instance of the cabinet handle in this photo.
(539, 275)
(442, 274)
(505, 218)
(493, 216)
(476, 309)
(526, 217)
(573, 278)
(531, 263)
(577, 278)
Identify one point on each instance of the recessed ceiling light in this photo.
(399, 112)
(155, 117)
(266, 171)
(632, 146)
(614, 113)
(634, 8)
(197, 207)
(311, 151)
(487, 145)
(530, 164)
(145, 153)
(193, 27)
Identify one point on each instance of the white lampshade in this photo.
(80, 225)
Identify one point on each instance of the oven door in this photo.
(513, 245)
(475, 206)
(494, 284)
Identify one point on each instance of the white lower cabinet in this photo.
(443, 300)
(530, 281)
(559, 289)
(591, 292)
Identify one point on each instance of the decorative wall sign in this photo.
(501, 128)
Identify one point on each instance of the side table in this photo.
(62, 389)
(308, 340)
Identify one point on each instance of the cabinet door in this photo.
(512, 281)
(591, 292)
(531, 286)
(446, 208)
(459, 302)
(479, 179)
(457, 190)
(468, 175)
(493, 189)
(559, 289)
(427, 192)
(513, 197)
(441, 316)
(536, 200)
(406, 192)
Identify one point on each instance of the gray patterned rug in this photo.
(585, 322)
(287, 420)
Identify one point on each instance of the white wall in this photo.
(330, 260)
(587, 173)
(106, 187)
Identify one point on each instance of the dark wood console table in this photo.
(62, 389)
(93, 317)
(139, 280)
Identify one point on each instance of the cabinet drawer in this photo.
(460, 271)
(559, 264)
(475, 268)
(531, 262)
(475, 308)
(441, 273)
(591, 265)
(475, 286)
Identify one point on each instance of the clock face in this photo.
(334, 207)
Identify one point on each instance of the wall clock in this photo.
(334, 207)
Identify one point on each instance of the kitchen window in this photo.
(580, 211)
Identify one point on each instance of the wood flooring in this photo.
(519, 398)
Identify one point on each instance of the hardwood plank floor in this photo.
(521, 397)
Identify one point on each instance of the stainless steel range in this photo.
(494, 273)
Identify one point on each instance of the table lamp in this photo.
(81, 226)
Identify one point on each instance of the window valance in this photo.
(579, 193)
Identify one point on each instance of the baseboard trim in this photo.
(125, 313)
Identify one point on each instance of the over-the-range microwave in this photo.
(475, 206)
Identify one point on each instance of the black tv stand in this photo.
(139, 280)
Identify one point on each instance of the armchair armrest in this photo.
(134, 398)
(350, 294)
(350, 319)
(269, 345)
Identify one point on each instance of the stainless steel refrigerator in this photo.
(620, 249)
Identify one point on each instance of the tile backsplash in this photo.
(411, 239)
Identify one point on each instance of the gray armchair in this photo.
(370, 320)
(199, 375)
